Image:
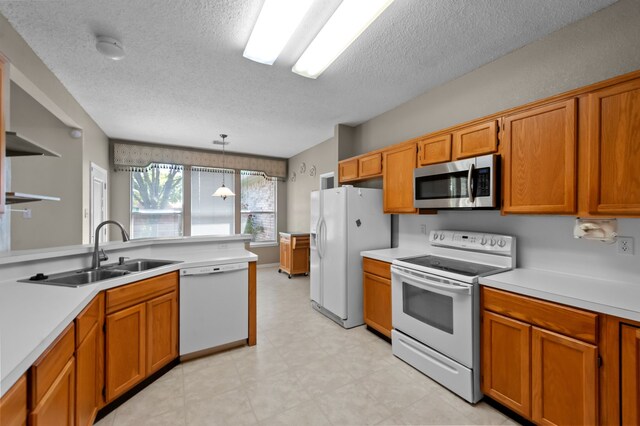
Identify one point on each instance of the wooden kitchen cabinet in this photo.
(89, 361)
(294, 253)
(630, 374)
(478, 139)
(370, 165)
(506, 360)
(548, 348)
(434, 150)
(13, 405)
(376, 282)
(348, 170)
(397, 179)
(614, 150)
(564, 381)
(141, 331)
(539, 160)
(52, 383)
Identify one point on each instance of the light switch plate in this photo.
(625, 245)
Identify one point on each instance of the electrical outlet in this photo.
(26, 213)
(625, 245)
(423, 229)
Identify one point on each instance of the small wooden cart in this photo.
(294, 253)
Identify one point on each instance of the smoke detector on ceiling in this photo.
(110, 47)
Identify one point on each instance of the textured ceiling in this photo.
(184, 79)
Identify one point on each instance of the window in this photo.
(211, 215)
(156, 202)
(258, 197)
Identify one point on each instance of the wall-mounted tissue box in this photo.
(604, 230)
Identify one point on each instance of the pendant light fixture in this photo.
(223, 192)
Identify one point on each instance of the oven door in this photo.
(435, 311)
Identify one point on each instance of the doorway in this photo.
(98, 205)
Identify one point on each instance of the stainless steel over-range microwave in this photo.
(467, 184)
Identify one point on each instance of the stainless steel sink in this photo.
(138, 265)
(90, 276)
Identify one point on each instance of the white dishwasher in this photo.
(213, 306)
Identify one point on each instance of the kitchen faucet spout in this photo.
(95, 263)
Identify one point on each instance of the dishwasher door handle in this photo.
(212, 270)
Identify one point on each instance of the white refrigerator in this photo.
(344, 222)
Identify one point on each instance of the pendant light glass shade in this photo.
(223, 192)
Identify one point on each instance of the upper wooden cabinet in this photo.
(348, 170)
(630, 374)
(397, 179)
(614, 150)
(434, 150)
(479, 139)
(539, 160)
(370, 165)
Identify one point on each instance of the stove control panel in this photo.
(494, 243)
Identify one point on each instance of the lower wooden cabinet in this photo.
(141, 331)
(376, 283)
(294, 254)
(52, 384)
(506, 360)
(545, 376)
(630, 374)
(564, 379)
(89, 366)
(13, 405)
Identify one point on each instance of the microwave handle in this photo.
(425, 283)
(472, 198)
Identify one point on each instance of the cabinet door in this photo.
(162, 331)
(434, 150)
(348, 170)
(56, 408)
(539, 156)
(285, 254)
(614, 150)
(564, 380)
(126, 344)
(506, 362)
(87, 377)
(377, 303)
(630, 373)
(397, 179)
(13, 405)
(479, 139)
(370, 165)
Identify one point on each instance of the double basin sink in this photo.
(90, 276)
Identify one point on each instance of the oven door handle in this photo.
(426, 283)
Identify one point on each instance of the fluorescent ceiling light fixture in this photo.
(346, 24)
(277, 21)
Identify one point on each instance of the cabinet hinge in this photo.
(599, 361)
(104, 392)
(104, 327)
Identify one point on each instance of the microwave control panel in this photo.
(483, 182)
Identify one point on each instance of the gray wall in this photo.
(94, 143)
(53, 223)
(601, 46)
(324, 157)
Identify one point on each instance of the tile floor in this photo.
(305, 370)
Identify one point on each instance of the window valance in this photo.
(133, 157)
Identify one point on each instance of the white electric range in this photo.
(436, 306)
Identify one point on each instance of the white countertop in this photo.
(391, 254)
(294, 234)
(33, 315)
(617, 298)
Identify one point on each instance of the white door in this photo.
(98, 205)
(334, 251)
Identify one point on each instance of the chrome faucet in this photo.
(95, 264)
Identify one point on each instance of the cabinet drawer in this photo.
(562, 319)
(376, 267)
(141, 291)
(87, 319)
(47, 368)
(300, 243)
(371, 165)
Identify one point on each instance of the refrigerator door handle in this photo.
(322, 238)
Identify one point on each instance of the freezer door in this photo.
(334, 251)
(315, 212)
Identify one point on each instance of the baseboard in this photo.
(267, 265)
